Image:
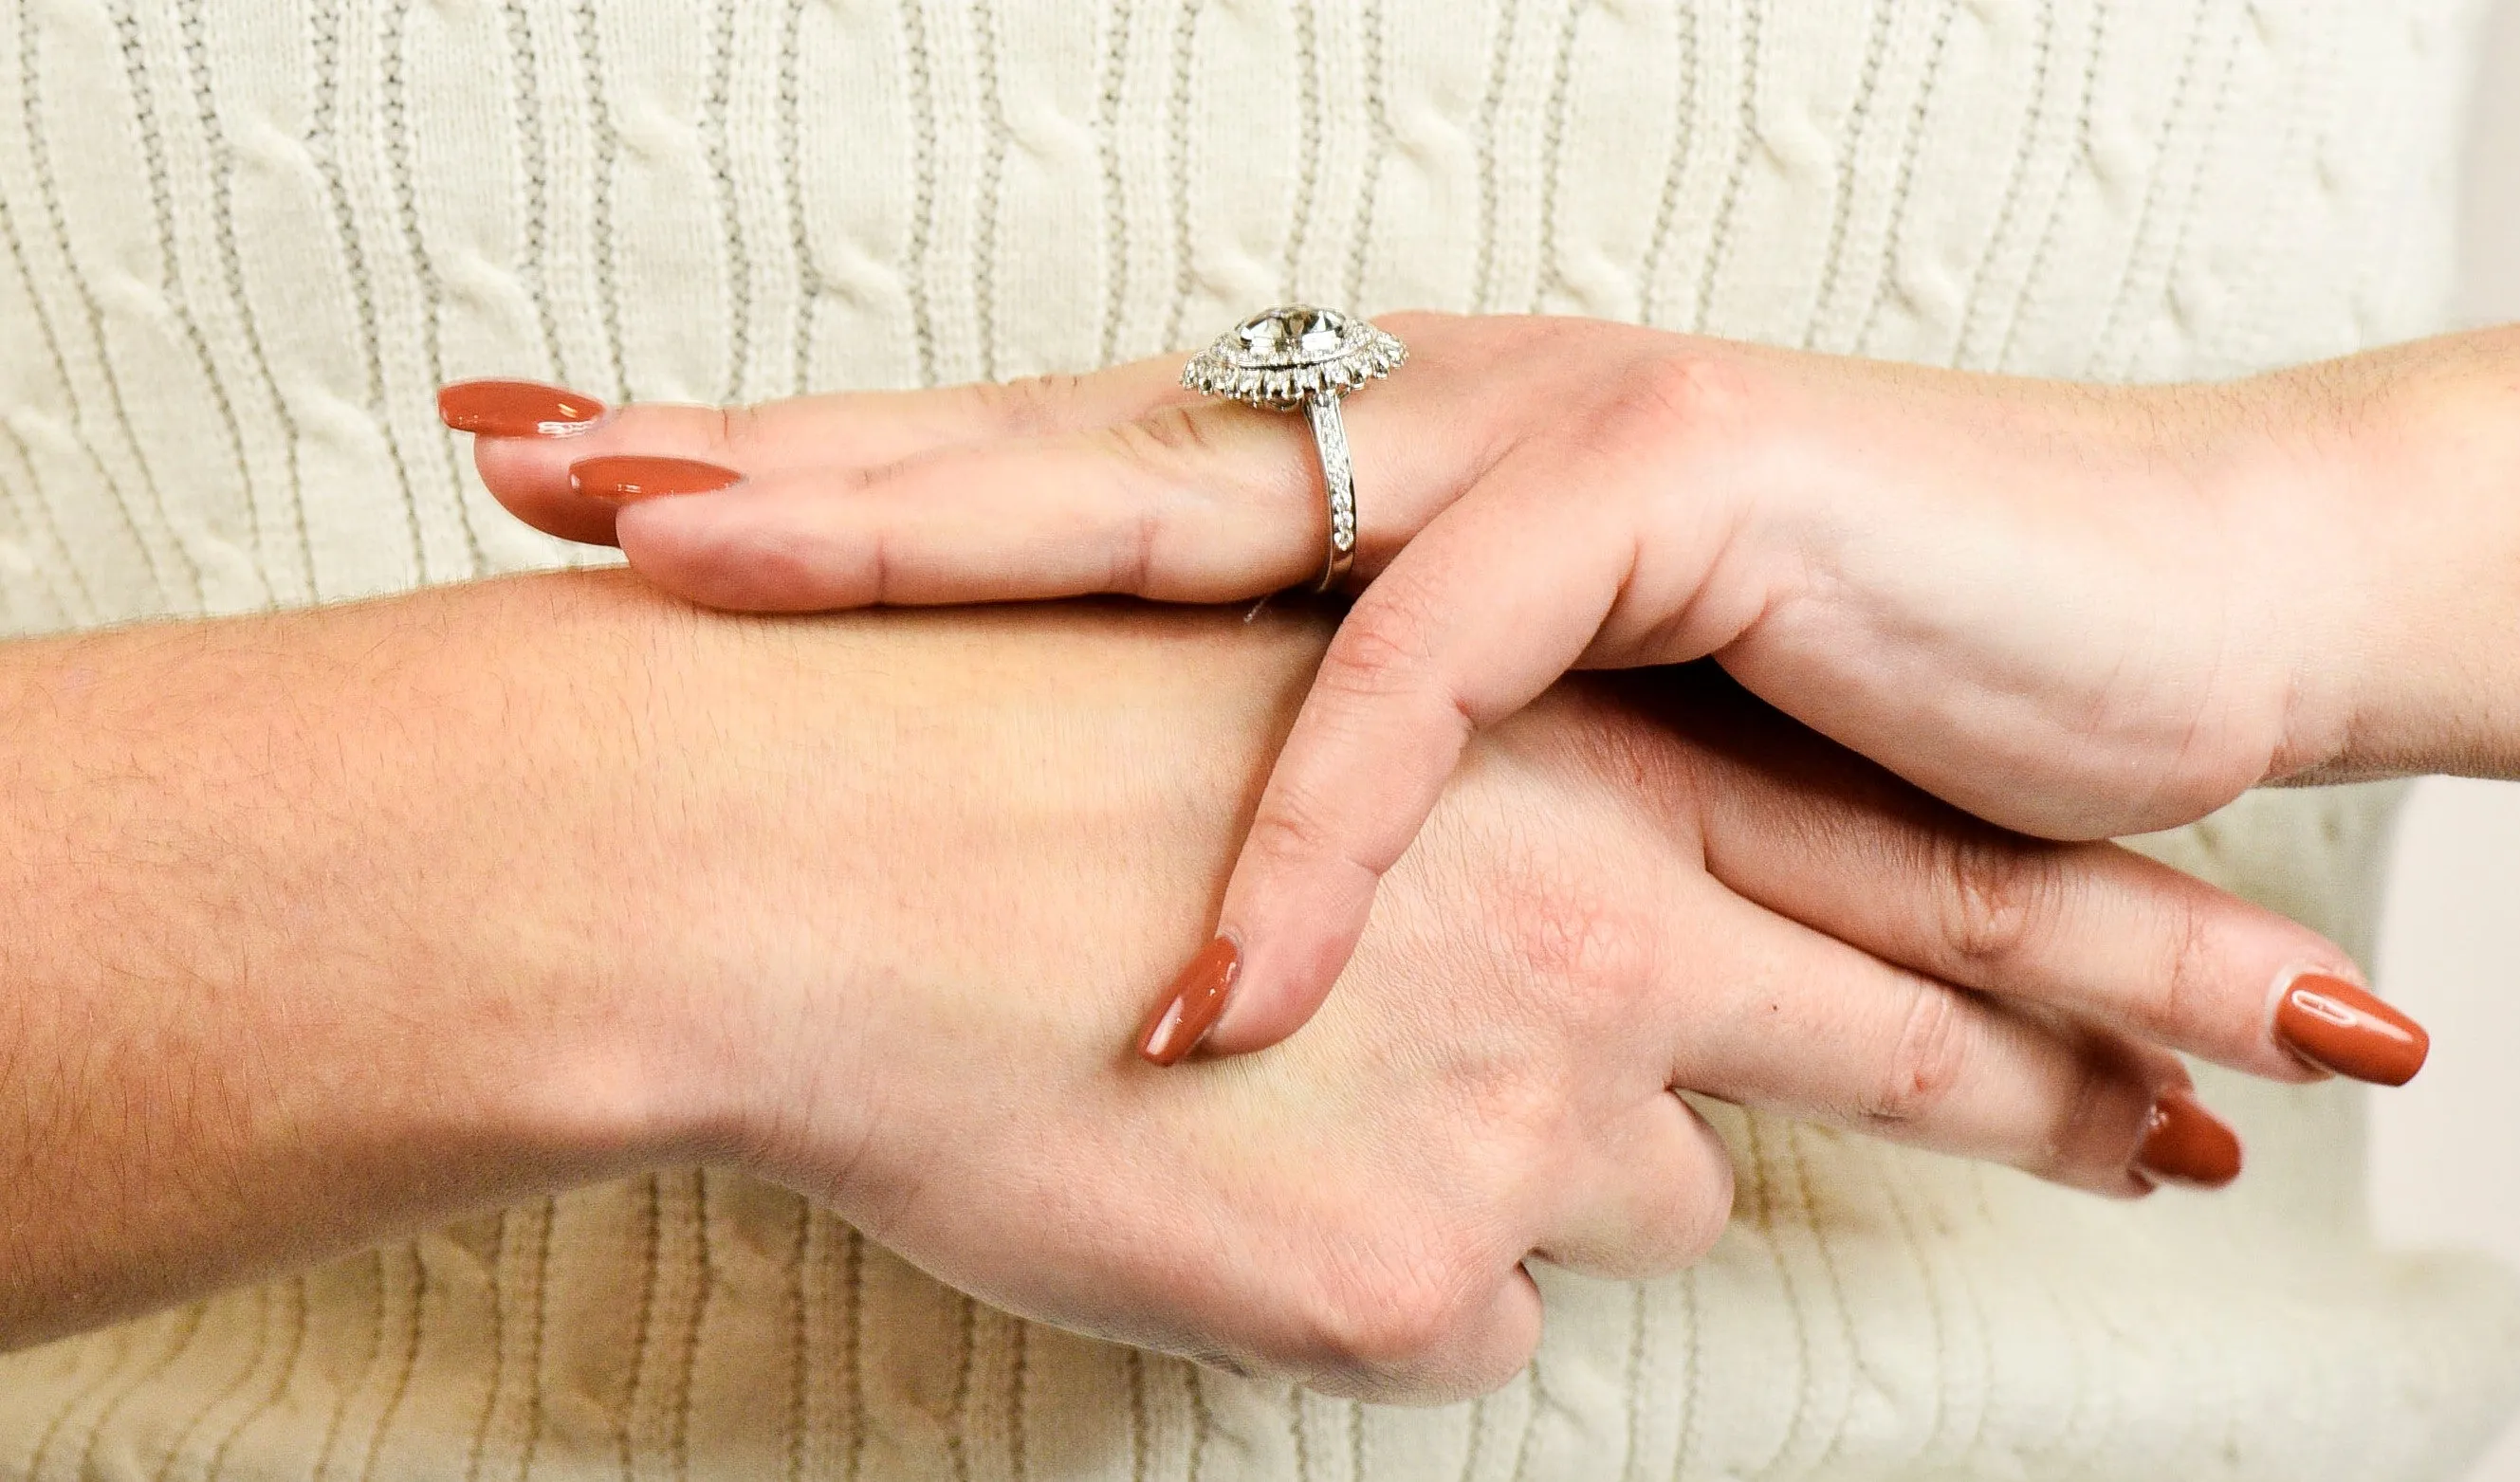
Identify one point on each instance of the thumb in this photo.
(1493, 600)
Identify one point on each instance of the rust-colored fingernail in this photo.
(1190, 1008)
(2337, 1026)
(515, 409)
(2184, 1143)
(627, 479)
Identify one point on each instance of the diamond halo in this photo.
(1281, 358)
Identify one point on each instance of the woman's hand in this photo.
(2073, 612)
(1624, 889)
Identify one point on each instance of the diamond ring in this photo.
(1300, 356)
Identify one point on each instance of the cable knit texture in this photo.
(245, 239)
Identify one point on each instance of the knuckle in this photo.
(1294, 830)
(1382, 649)
(1170, 436)
(1704, 1218)
(1370, 1326)
(1137, 537)
(735, 429)
(1029, 406)
(1672, 393)
(1688, 1233)
(2176, 1002)
(1936, 1046)
(1299, 833)
(1693, 1210)
(1707, 1212)
(1998, 896)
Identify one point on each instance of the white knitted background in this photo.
(240, 241)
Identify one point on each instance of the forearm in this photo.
(283, 964)
(321, 928)
(2412, 455)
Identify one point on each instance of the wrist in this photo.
(634, 776)
(1024, 817)
(2403, 565)
(507, 818)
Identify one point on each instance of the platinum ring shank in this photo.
(1338, 480)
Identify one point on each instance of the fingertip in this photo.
(724, 549)
(498, 407)
(1501, 1341)
(1300, 899)
(2187, 1144)
(1284, 978)
(1189, 1006)
(2331, 1023)
(529, 478)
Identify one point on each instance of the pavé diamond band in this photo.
(1300, 356)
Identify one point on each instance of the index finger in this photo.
(1499, 596)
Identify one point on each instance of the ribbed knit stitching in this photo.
(1903, 182)
(2075, 176)
(239, 244)
(1684, 133)
(2036, 134)
(1372, 90)
(1746, 140)
(1185, 230)
(1556, 292)
(160, 537)
(326, 147)
(163, 175)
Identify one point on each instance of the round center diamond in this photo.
(1293, 336)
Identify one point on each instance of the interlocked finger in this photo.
(2092, 929)
(1812, 1028)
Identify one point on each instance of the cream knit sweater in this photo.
(240, 241)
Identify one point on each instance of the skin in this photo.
(323, 927)
(2078, 611)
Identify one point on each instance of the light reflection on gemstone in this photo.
(1308, 333)
(1285, 356)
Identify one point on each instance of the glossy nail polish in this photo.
(515, 409)
(2184, 1143)
(627, 480)
(2337, 1026)
(1190, 1009)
